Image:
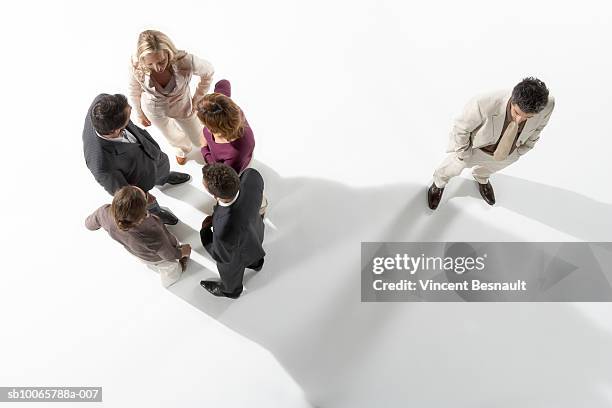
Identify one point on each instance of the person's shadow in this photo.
(560, 209)
(304, 306)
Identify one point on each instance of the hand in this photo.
(143, 119)
(207, 223)
(194, 102)
(185, 250)
(150, 198)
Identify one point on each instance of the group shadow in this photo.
(304, 306)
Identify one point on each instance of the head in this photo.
(155, 51)
(129, 207)
(221, 181)
(529, 97)
(111, 115)
(221, 116)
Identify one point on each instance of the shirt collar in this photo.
(126, 137)
(222, 204)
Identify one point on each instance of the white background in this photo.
(351, 104)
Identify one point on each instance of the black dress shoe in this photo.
(177, 178)
(486, 191)
(434, 195)
(215, 288)
(257, 265)
(166, 216)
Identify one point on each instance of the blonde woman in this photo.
(159, 88)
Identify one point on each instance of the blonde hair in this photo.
(151, 41)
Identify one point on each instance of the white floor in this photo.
(351, 103)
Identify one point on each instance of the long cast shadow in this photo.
(564, 210)
(305, 308)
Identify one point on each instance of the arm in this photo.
(207, 154)
(134, 88)
(531, 141)
(135, 96)
(224, 87)
(92, 222)
(111, 180)
(464, 125)
(220, 245)
(169, 249)
(205, 71)
(246, 146)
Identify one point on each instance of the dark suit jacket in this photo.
(117, 164)
(238, 230)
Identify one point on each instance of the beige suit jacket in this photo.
(482, 121)
(176, 104)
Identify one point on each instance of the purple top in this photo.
(236, 154)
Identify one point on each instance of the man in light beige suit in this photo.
(493, 131)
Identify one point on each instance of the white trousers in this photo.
(181, 133)
(169, 271)
(482, 164)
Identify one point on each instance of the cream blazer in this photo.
(482, 121)
(177, 102)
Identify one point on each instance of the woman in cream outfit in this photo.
(159, 88)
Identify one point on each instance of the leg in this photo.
(449, 168)
(192, 128)
(169, 271)
(164, 175)
(485, 165)
(231, 276)
(162, 170)
(171, 132)
(165, 215)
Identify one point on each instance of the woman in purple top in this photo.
(228, 138)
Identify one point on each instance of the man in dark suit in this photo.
(118, 153)
(237, 232)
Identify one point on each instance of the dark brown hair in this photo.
(531, 95)
(221, 116)
(109, 113)
(129, 207)
(221, 180)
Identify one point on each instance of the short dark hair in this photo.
(221, 180)
(531, 95)
(129, 207)
(109, 113)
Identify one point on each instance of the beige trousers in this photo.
(482, 164)
(181, 133)
(169, 271)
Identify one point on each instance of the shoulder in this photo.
(489, 102)
(104, 208)
(251, 178)
(104, 214)
(550, 105)
(183, 60)
(135, 70)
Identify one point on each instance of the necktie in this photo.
(505, 144)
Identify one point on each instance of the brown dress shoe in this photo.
(486, 191)
(434, 195)
(181, 160)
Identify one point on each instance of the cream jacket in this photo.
(482, 121)
(176, 103)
